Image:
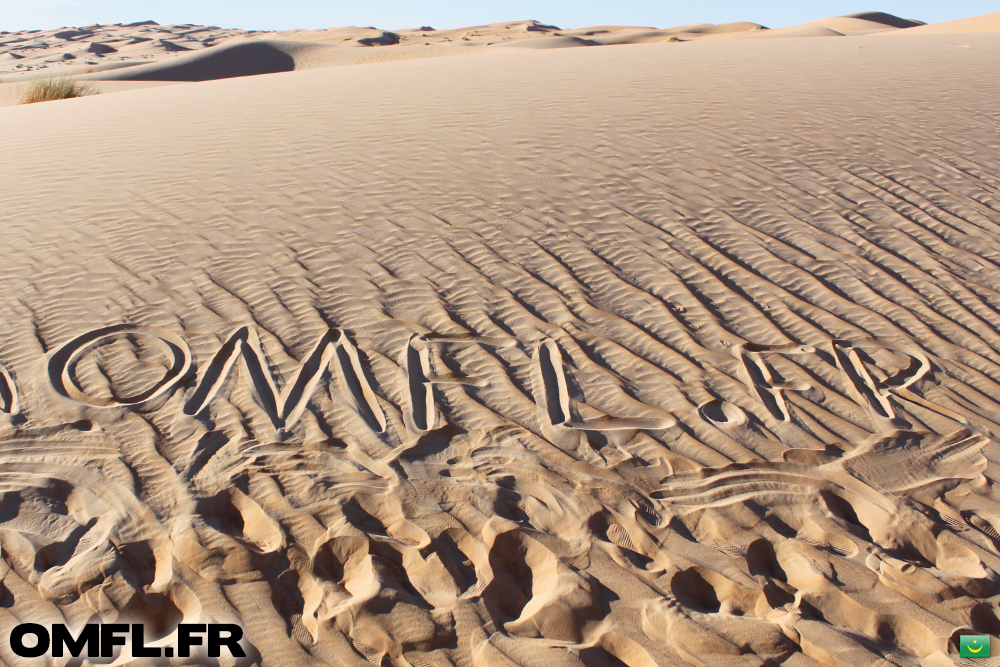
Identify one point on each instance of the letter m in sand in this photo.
(285, 407)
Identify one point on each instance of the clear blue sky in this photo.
(389, 14)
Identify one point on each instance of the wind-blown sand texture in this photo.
(637, 355)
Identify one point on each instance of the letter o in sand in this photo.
(62, 364)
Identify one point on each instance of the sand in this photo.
(985, 23)
(645, 354)
(97, 47)
(146, 51)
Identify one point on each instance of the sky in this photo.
(442, 14)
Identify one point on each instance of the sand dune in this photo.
(865, 22)
(796, 31)
(561, 42)
(240, 58)
(659, 355)
(151, 52)
(849, 25)
(96, 50)
(886, 20)
(984, 23)
(97, 47)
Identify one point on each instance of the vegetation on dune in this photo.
(50, 88)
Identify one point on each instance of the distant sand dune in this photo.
(885, 19)
(864, 22)
(553, 42)
(104, 46)
(197, 53)
(985, 23)
(242, 58)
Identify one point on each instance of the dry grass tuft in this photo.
(50, 88)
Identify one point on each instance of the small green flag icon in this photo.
(974, 646)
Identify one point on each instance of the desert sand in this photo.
(123, 57)
(641, 354)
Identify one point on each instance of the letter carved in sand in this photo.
(760, 379)
(286, 407)
(420, 415)
(553, 398)
(874, 395)
(62, 364)
(9, 401)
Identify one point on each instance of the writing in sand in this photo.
(333, 355)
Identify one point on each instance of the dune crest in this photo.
(975, 24)
(99, 51)
(99, 47)
(239, 58)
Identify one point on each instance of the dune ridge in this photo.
(180, 53)
(975, 24)
(240, 58)
(98, 47)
